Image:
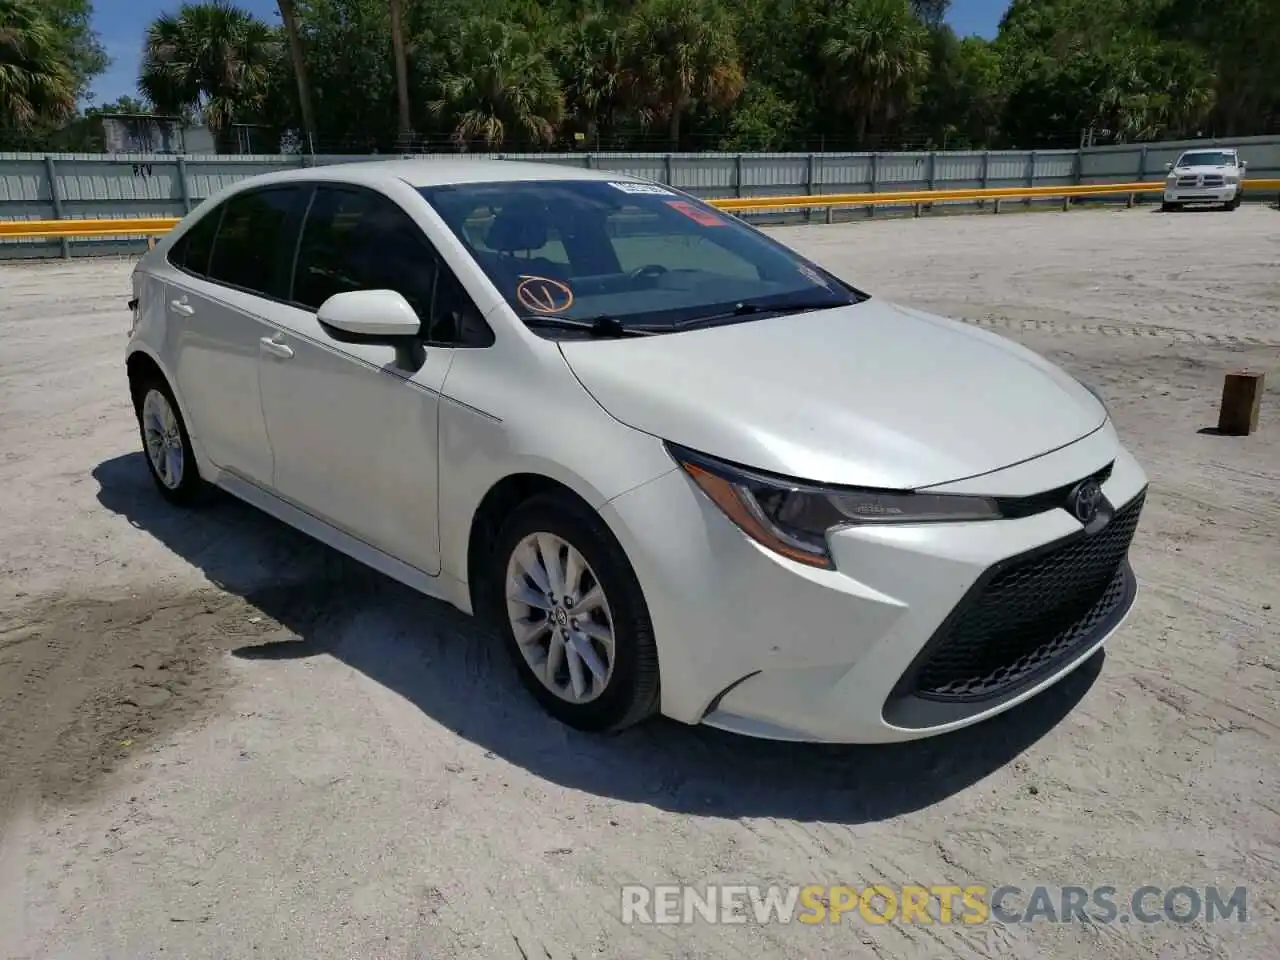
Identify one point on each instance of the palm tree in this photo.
(591, 66)
(682, 53)
(876, 53)
(37, 84)
(498, 87)
(289, 16)
(212, 57)
(402, 69)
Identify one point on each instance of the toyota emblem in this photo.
(1085, 500)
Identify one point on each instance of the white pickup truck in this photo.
(1204, 176)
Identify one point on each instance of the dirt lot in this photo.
(218, 739)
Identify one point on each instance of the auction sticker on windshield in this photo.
(812, 275)
(704, 217)
(647, 189)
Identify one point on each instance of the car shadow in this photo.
(456, 673)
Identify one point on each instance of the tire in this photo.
(1235, 202)
(1168, 207)
(613, 695)
(160, 422)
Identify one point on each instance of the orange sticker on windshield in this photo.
(544, 295)
(697, 214)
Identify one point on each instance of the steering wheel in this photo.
(648, 270)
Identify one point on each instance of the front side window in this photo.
(356, 239)
(637, 253)
(256, 238)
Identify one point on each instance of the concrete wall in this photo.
(34, 186)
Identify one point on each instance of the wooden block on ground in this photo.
(1241, 403)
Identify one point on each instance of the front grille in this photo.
(1212, 180)
(1030, 615)
(1187, 181)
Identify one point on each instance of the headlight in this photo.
(793, 518)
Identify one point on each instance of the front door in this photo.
(354, 435)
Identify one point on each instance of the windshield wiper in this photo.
(748, 307)
(601, 326)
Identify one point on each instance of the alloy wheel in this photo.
(163, 439)
(560, 617)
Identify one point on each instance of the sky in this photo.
(121, 24)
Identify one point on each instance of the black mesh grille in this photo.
(1030, 615)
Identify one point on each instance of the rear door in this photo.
(234, 271)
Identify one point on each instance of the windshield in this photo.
(638, 254)
(1208, 158)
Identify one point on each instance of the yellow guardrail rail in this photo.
(156, 226)
(116, 227)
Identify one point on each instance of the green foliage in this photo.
(214, 59)
(497, 88)
(876, 55)
(44, 64)
(690, 74)
(681, 55)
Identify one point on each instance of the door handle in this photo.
(281, 350)
(182, 307)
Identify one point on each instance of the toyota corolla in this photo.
(684, 468)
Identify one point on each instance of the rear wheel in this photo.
(575, 624)
(166, 443)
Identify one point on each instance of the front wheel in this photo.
(576, 624)
(1169, 207)
(1235, 201)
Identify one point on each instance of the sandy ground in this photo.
(218, 739)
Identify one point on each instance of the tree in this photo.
(590, 64)
(402, 68)
(682, 54)
(1100, 66)
(876, 57)
(498, 88)
(298, 60)
(213, 58)
(932, 13)
(38, 84)
(1240, 42)
(962, 98)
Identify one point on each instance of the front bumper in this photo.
(1223, 194)
(751, 642)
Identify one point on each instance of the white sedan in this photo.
(686, 469)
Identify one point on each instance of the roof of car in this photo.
(432, 171)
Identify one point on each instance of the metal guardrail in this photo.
(156, 226)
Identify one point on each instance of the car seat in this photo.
(521, 227)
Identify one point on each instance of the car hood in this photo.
(871, 394)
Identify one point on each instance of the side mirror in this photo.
(375, 317)
(1243, 164)
(1168, 166)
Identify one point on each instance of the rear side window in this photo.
(192, 250)
(358, 240)
(256, 240)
